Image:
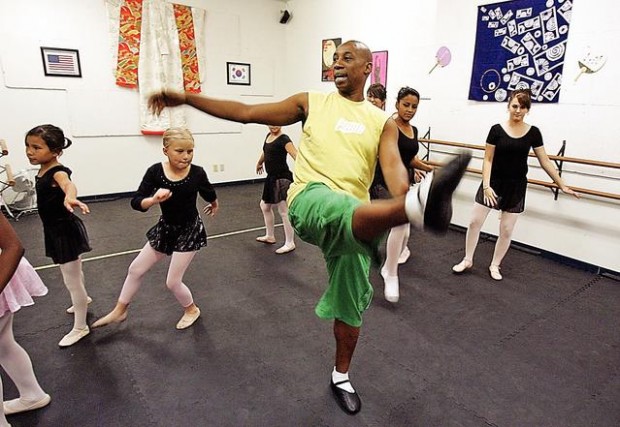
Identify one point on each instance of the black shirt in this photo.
(408, 149)
(275, 156)
(181, 206)
(50, 197)
(510, 158)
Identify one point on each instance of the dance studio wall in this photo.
(286, 59)
(586, 116)
(109, 154)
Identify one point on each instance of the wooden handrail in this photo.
(550, 185)
(552, 157)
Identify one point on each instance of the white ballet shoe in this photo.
(404, 255)
(71, 309)
(494, 272)
(390, 290)
(286, 249)
(74, 336)
(462, 266)
(266, 239)
(19, 405)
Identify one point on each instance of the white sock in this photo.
(337, 377)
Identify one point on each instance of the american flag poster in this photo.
(61, 62)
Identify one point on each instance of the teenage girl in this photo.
(376, 95)
(504, 180)
(273, 160)
(18, 284)
(65, 234)
(174, 185)
(397, 252)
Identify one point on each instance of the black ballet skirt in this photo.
(279, 177)
(65, 239)
(167, 238)
(275, 189)
(510, 194)
(65, 235)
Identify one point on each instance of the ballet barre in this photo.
(9, 180)
(559, 160)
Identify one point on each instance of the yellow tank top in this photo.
(339, 145)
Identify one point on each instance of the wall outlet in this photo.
(215, 168)
(221, 167)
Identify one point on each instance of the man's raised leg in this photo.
(427, 205)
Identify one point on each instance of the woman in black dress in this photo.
(504, 179)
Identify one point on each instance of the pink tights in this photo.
(145, 260)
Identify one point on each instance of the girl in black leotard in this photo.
(273, 160)
(174, 185)
(504, 180)
(65, 234)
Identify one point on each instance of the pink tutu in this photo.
(24, 285)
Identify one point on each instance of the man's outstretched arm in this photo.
(286, 112)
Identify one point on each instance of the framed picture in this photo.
(61, 62)
(238, 73)
(327, 58)
(379, 67)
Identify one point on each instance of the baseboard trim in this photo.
(562, 259)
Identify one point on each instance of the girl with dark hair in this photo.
(504, 180)
(377, 95)
(397, 252)
(65, 234)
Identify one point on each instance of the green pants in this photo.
(323, 218)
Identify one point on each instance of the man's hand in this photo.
(158, 101)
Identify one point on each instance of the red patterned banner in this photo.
(129, 43)
(187, 45)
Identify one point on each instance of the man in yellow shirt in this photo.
(343, 135)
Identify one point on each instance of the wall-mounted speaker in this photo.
(286, 16)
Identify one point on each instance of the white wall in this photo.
(586, 116)
(109, 154)
(286, 59)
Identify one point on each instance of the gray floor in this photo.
(541, 348)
